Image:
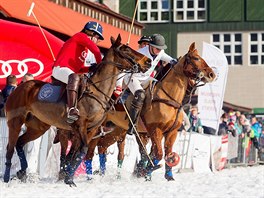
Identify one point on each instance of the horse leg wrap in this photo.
(119, 163)
(75, 164)
(102, 160)
(22, 158)
(89, 168)
(119, 167)
(7, 171)
(151, 168)
(168, 173)
(168, 170)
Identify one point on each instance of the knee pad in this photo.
(140, 95)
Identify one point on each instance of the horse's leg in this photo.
(140, 169)
(86, 137)
(156, 150)
(14, 127)
(121, 154)
(35, 129)
(168, 144)
(63, 137)
(89, 158)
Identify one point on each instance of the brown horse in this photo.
(24, 107)
(162, 117)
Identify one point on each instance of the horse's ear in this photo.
(118, 40)
(112, 40)
(192, 47)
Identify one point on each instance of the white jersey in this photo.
(89, 59)
(161, 56)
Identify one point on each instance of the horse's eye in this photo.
(195, 58)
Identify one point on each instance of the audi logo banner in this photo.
(23, 49)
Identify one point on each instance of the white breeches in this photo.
(135, 84)
(61, 73)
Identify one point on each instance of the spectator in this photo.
(232, 125)
(223, 126)
(11, 84)
(257, 129)
(185, 123)
(27, 77)
(196, 124)
(238, 114)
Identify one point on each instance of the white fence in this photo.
(198, 152)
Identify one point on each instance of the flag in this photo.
(211, 96)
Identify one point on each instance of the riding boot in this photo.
(72, 93)
(135, 109)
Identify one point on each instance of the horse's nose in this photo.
(212, 75)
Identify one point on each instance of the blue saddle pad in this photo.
(49, 93)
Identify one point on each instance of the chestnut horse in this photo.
(23, 107)
(161, 114)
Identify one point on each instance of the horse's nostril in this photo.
(211, 75)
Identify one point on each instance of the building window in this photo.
(189, 10)
(256, 51)
(154, 11)
(231, 45)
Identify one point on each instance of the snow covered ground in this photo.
(240, 182)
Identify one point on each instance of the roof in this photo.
(61, 19)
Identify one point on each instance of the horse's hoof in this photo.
(96, 172)
(69, 181)
(62, 175)
(140, 173)
(118, 176)
(147, 177)
(169, 178)
(89, 177)
(22, 175)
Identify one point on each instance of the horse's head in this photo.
(196, 68)
(128, 58)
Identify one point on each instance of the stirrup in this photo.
(72, 118)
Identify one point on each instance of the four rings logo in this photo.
(22, 67)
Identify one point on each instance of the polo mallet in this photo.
(132, 24)
(130, 120)
(30, 12)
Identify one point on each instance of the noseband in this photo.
(196, 74)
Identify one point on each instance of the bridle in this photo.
(196, 75)
(108, 103)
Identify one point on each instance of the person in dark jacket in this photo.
(11, 84)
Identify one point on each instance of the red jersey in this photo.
(74, 51)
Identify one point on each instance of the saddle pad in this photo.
(49, 93)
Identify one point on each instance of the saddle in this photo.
(55, 91)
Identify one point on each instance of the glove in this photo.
(173, 61)
(117, 91)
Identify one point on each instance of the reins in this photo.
(109, 103)
(172, 102)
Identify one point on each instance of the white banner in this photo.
(211, 96)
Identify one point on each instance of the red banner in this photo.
(23, 49)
